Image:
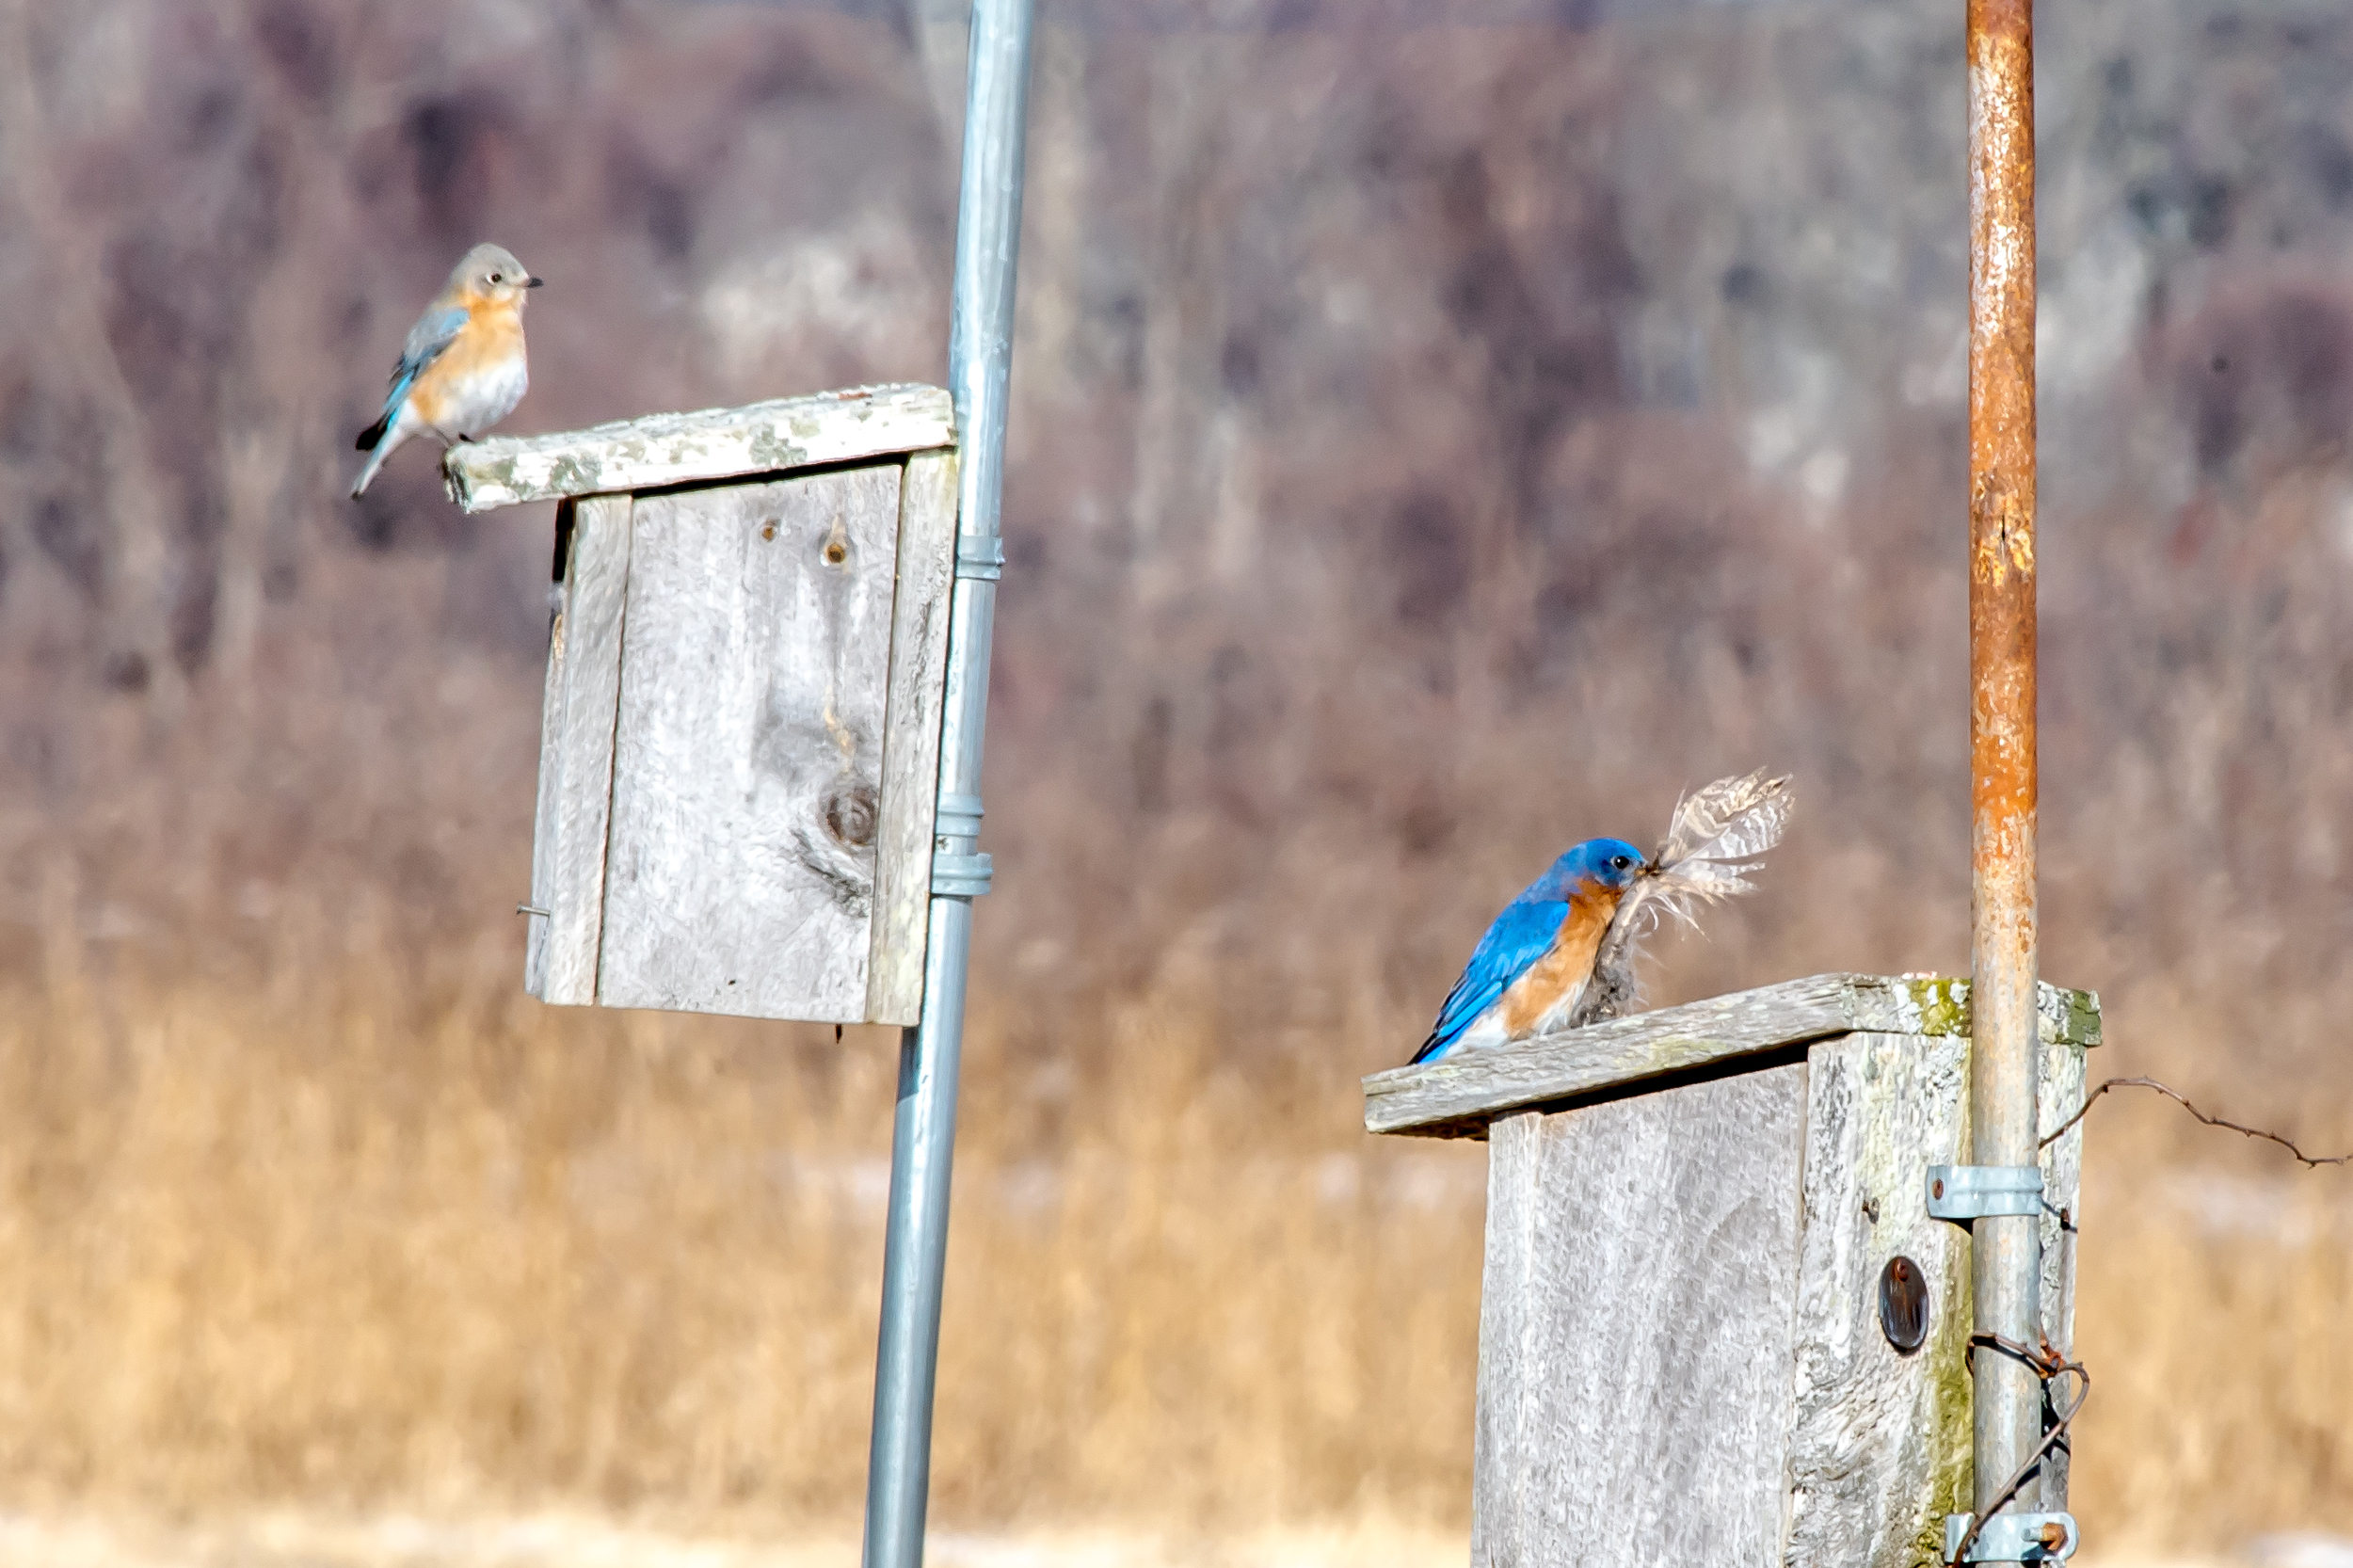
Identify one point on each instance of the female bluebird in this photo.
(462, 369)
(1531, 969)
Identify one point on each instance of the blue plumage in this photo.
(1525, 932)
(433, 333)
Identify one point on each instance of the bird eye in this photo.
(496, 278)
(1620, 863)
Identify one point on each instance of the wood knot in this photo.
(851, 815)
(768, 529)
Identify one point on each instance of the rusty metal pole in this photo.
(2006, 1255)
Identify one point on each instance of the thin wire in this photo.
(2181, 1099)
(2047, 1364)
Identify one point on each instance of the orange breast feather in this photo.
(1557, 974)
(490, 340)
(494, 336)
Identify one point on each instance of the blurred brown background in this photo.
(1442, 431)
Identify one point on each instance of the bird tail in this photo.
(377, 449)
(372, 435)
(1713, 843)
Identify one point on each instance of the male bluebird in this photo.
(1531, 969)
(462, 369)
(1562, 953)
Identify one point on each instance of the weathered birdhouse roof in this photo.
(1457, 1096)
(658, 450)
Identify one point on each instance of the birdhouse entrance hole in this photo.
(1717, 1323)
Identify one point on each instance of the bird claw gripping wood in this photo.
(1713, 841)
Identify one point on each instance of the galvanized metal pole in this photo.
(979, 360)
(2005, 1254)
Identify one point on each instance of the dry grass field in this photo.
(388, 1236)
(559, 1540)
(303, 1206)
(326, 1242)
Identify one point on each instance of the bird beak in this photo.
(533, 283)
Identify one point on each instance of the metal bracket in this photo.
(954, 874)
(1966, 1192)
(957, 817)
(960, 875)
(980, 555)
(2014, 1537)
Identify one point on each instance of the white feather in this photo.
(1714, 841)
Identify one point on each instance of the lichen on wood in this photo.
(1456, 1095)
(658, 450)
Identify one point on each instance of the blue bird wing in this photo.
(1522, 933)
(434, 331)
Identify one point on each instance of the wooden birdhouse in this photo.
(1717, 1324)
(740, 747)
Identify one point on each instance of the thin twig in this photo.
(2047, 1364)
(2183, 1100)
